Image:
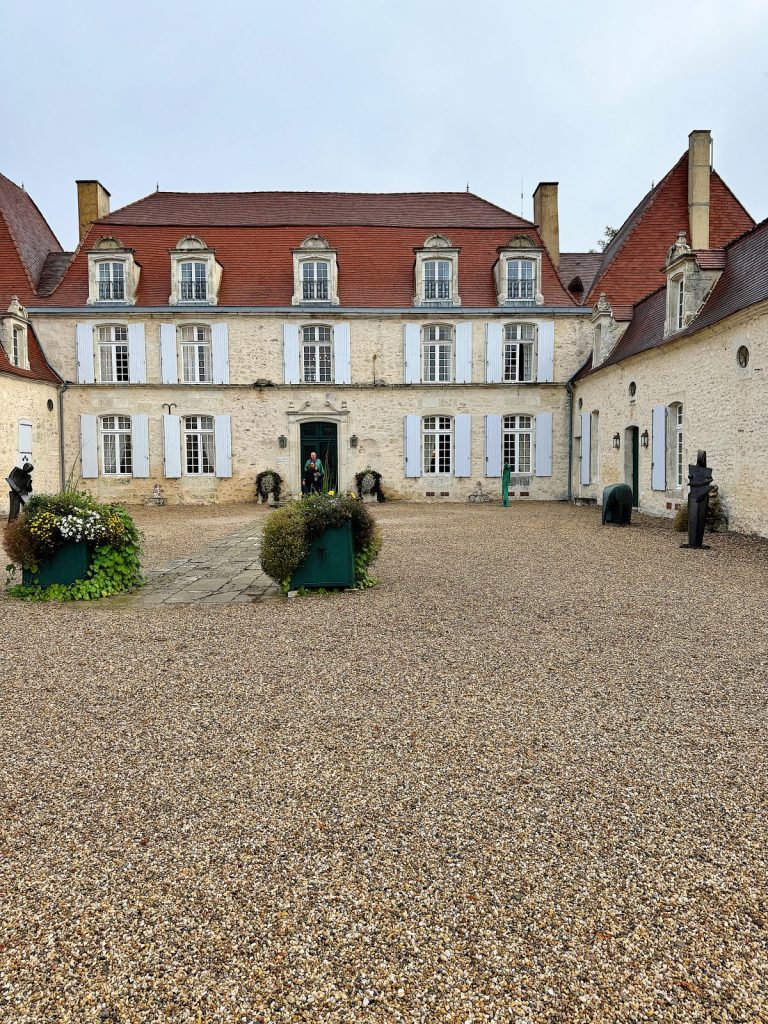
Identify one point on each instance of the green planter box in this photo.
(68, 564)
(330, 561)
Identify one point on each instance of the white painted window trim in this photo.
(19, 345)
(437, 432)
(196, 345)
(199, 433)
(113, 346)
(519, 343)
(448, 255)
(426, 344)
(326, 256)
(118, 433)
(130, 276)
(502, 277)
(202, 255)
(317, 345)
(517, 432)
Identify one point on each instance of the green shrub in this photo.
(283, 543)
(716, 517)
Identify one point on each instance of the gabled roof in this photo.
(579, 266)
(25, 242)
(39, 368)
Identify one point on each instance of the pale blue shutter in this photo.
(494, 333)
(464, 353)
(137, 360)
(169, 367)
(493, 465)
(462, 439)
(412, 445)
(659, 449)
(291, 373)
(222, 439)
(412, 353)
(85, 363)
(544, 444)
(140, 444)
(546, 352)
(220, 353)
(586, 448)
(89, 448)
(172, 446)
(341, 354)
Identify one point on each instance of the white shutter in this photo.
(412, 354)
(137, 360)
(412, 445)
(544, 444)
(462, 440)
(493, 465)
(586, 448)
(659, 449)
(220, 353)
(140, 444)
(89, 449)
(85, 361)
(464, 354)
(25, 442)
(291, 373)
(546, 361)
(222, 439)
(172, 446)
(494, 333)
(341, 354)
(169, 367)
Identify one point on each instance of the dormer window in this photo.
(195, 274)
(521, 280)
(436, 273)
(18, 346)
(518, 273)
(111, 281)
(13, 332)
(679, 284)
(315, 273)
(113, 274)
(314, 278)
(437, 279)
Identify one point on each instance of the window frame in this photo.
(201, 434)
(316, 344)
(116, 432)
(18, 354)
(110, 280)
(446, 279)
(198, 344)
(676, 445)
(515, 432)
(438, 431)
(428, 343)
(519, 343)
(508, 279)
(314, 279)
(112, 344)
(195, 280)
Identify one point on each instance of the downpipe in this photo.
(569, 391)
(62, 471)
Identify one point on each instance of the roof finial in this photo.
(157, 187)
(467, 184)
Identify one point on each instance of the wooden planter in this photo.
(330, 561)
(67, 565)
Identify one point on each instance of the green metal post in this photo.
(505, 486)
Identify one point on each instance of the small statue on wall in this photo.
(20, 482)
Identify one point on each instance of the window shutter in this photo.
(493, 445)
(464, 354)
(137, 361)
(341, 354)
(412, 345)
(220, 353)
(462, 435)
(412, 445)
(586, 447)
(494, 334)
(659, 450)
(546, 361)
(291, 353)
(169, 369)
(222, 439)
(89, 449)
(544, 444)
(140, 444)
(85, 361)
(172, 446)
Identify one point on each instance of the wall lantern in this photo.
(353, 441)
(617, 440)
(644, 439)
(282, 441)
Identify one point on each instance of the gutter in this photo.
(62, 388)
(569, 391)
(443, 312)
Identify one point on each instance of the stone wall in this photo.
(24, 399)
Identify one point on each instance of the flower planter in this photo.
(67, 565)
(330, 561)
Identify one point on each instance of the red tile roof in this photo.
(39, 368)
(25, 242)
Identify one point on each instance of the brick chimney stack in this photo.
(699, 167)
(546, 217)
(92, 204)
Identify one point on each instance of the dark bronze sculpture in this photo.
(20, 482)
(700, 483)
(617, 505)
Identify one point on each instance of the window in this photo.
(199, 446)
(116, 445)
(316, 355)
(17, 346)
(437, 280)
(196, 354)
(518, 352)
(194, 281)
(111, 281)
(437, 433)
(521, 280)
(680, 303)
(678, 447)
(437, 358)
(314, 279)
(517, 443)
(113, 354)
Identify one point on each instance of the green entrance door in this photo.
(633, 442)
(322, 438)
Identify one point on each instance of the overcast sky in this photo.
(400, 95)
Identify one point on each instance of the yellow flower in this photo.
(331, 493)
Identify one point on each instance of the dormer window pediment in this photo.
(195, 273)
(113, 273)
(688, 286)
(436, 273)
(315, 273)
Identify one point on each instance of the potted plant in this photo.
(268, 482)
(368, 481)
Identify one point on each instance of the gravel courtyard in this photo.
(523, 780)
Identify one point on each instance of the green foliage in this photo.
(283, 543)
(716, 517)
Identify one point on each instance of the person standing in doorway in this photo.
(314, 471)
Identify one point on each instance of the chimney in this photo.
(699, 166)
(545, 216)
(92, 204)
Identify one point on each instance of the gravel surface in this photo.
(523, 780)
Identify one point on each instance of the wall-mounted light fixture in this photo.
(282, 441)
(644, 439)
(617, 440)
(353, 441)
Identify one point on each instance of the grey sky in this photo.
(383, 96)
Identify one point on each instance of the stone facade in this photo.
(26, 401)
